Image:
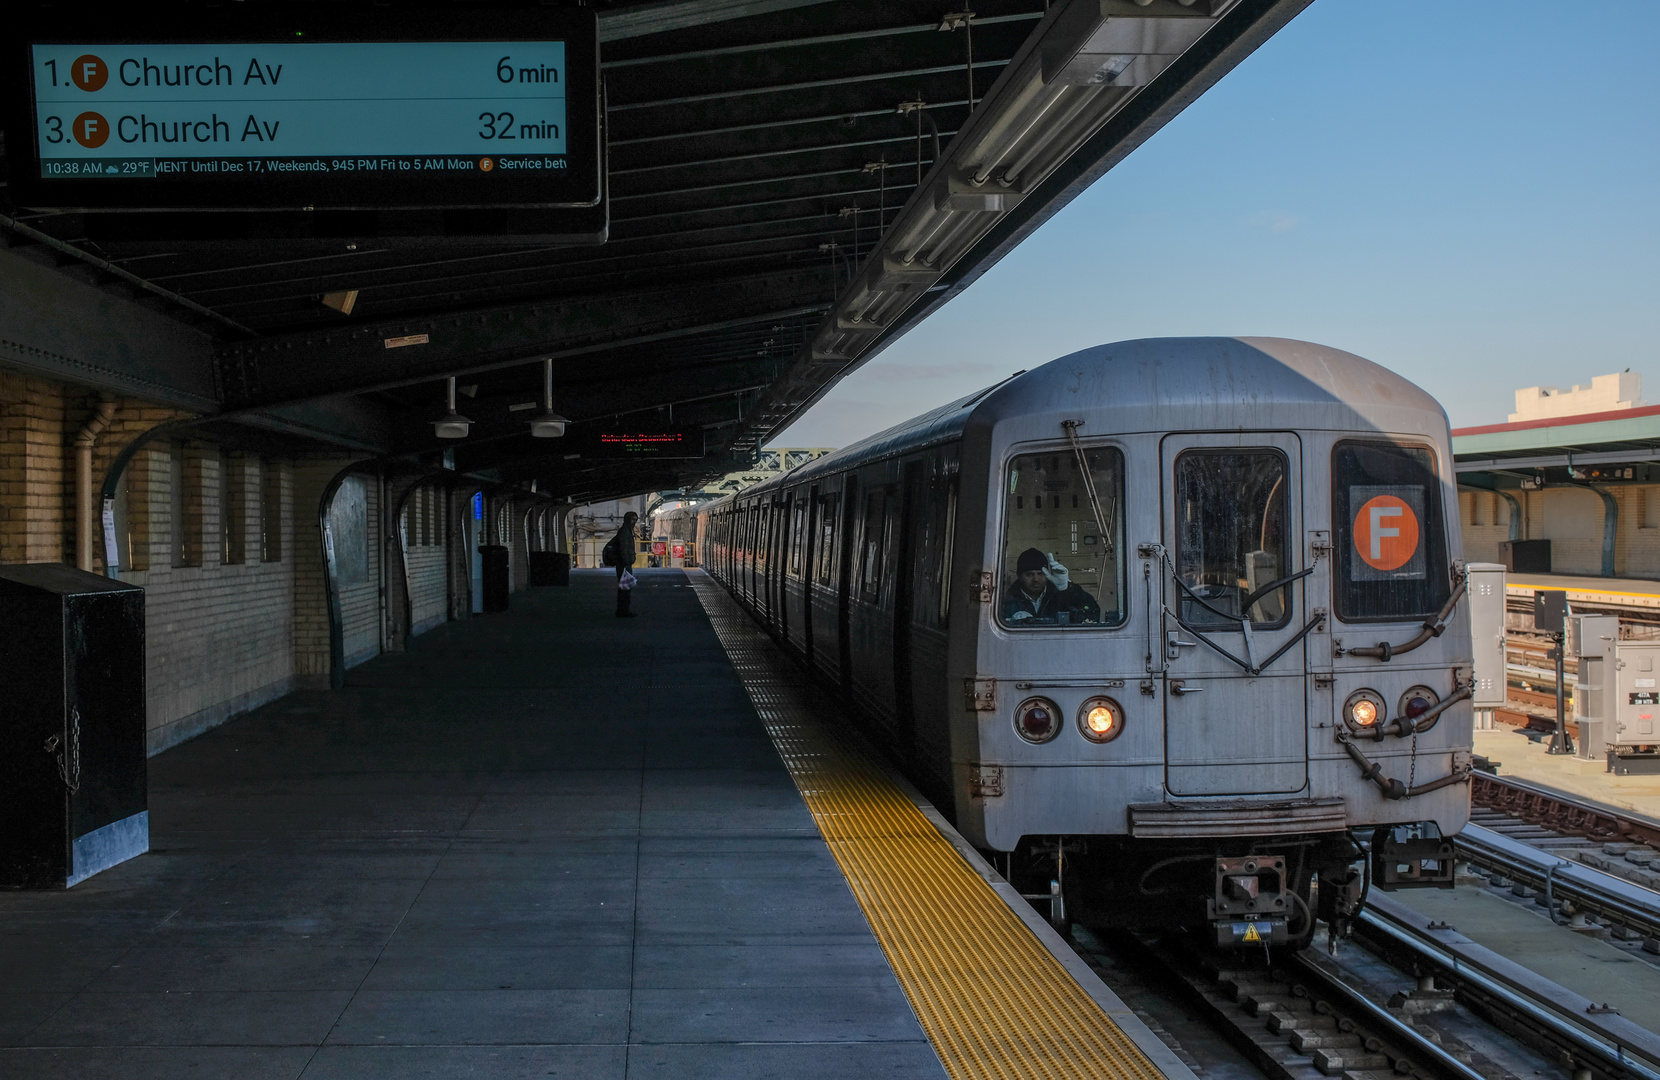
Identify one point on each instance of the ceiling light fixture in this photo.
(452, 425)
(549, 425)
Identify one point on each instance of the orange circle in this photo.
(90, 130)
(1386, 532)
(486, 164)
(89, 72)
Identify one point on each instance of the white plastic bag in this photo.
(628, 580)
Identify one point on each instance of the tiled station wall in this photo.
(235, 599)
(1572, 520)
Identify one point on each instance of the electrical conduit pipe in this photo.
(86, 499)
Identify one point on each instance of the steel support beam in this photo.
(59, 328)
(284, 370)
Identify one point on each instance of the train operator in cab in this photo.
(1044, 596)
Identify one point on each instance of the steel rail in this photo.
(1589, 888)
(1540, 805)
(1404, 1035)
(1594, 1036)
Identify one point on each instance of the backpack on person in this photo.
(611, 553)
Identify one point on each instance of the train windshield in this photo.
(1233, 536)
(1391, 547)
(1063, 545)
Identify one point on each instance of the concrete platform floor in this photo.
(1527, 760)
(547, 843)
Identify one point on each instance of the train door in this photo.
(845, 544)
(911, 507)
(784, 512)
(1236, 717)
(808, 545)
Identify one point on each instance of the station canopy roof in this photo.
(1620, 445)
(793, 185)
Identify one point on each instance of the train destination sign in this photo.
(305, 117)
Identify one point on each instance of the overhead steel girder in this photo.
(60, 328)
(299, 367)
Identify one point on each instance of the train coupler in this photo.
(1250, 904)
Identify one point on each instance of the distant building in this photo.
(1578, 470)
(1607, 393)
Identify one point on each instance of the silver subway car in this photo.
(1165, 622)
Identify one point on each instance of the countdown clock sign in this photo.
(346, 107)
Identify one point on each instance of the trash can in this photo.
(550, 568)
(72, 736)
(496, 577)
(1525, 556)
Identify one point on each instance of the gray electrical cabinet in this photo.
(1486, 601)
(73, 779)
(1593, 641)
(1635, 745)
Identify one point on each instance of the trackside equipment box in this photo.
(1486, 600)
(1635, 743)
(72, 750)
(1594, 641)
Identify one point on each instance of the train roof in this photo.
(1173, 383)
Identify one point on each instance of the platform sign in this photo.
(635, 443)
(351, 108)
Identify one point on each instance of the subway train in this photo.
(1167, 627)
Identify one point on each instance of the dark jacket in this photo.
(624, 541)
(1053, 607)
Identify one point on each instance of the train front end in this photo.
(1221, 671)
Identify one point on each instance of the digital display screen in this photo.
(303, 119)
(636, 442)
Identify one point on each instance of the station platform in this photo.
(1638, 595)
(550, 843)
(1526, 759)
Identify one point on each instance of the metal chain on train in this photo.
(1071, 427)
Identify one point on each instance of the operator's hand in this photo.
(1057, 575)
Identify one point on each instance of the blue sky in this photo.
(1463, 192)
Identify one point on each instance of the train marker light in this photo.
(1037, 720)
(1418, 701)
(1364, 710)
(1100, 719)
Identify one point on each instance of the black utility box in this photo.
(1525, 556)
(495, 577)
(72, 741)
(550, 568)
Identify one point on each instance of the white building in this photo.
(1607, 393)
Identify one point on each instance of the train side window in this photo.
(1390, 537)
(875, 524)
(1233, 534)
(1060, 568)
(827, 537)
(947, 537)
(798, 534)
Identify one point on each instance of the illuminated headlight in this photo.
(1100, 719)
(1037, 720)
(1364, 710)
(1418, 701)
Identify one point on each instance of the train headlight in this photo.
(1037, 720)
(1418, 701)
(1364, 710)
(1100, 719)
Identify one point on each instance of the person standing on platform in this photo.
(624, 544)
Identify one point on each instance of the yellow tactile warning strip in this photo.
(990, 997)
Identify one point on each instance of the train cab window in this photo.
(1232, 535)
(1060, 566)
(1390, 540)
